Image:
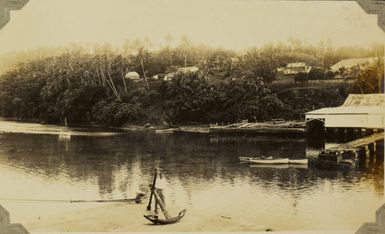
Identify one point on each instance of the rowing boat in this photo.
(270, 160)
(247, 159)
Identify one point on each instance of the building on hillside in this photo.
(351, 68)
(132, 76)
(169, 76)
(292, 69)
(361, 111)
(295, 68)
(192, 69)
(181, 70)
(159, 76)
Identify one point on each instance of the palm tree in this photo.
(371, 79)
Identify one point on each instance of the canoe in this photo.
(270, 160)
(298, 161)
(156, 220)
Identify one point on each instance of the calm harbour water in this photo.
(203, 174)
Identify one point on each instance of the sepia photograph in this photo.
(191, 116)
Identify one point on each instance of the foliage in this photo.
(316, 73)
(370, 80)
(194, 99)
(301, 77)
(87, 84)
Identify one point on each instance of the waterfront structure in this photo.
(358, 111)
(356, 120)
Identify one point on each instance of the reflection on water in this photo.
(203, 172)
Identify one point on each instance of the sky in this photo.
(232, 24)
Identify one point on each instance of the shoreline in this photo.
(129, 218)
(289, 128)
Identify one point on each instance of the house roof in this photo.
(294, 68)
(188, 69)
(293, 65)
(348, 63)
(132, 75)
(356, 104)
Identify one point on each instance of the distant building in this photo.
(295, 68)
(158, 76)
(132, 76)
(351, 68)
(192, 69)
(169, 76)
(181, 70)
(292, 69)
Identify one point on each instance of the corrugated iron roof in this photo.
(349, 63)
(356, 104)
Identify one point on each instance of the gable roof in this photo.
(292, 65)
(349, 63)
(356, 104)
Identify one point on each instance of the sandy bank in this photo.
(129, 217)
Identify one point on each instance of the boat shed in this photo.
(358, 111)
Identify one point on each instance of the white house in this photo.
(295, 68)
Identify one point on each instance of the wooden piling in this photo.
(380, 151)
(371, 152)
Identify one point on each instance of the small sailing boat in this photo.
(65, 134)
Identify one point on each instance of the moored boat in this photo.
(247, 159)
(270, 160)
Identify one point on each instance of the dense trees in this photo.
(87, 84)
(371, 79)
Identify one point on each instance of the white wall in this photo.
(350, 121)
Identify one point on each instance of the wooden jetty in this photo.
(356, 144)
(273, 127)
(347, 154)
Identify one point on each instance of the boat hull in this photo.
(270, 161)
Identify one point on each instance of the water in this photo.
(203, 174)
